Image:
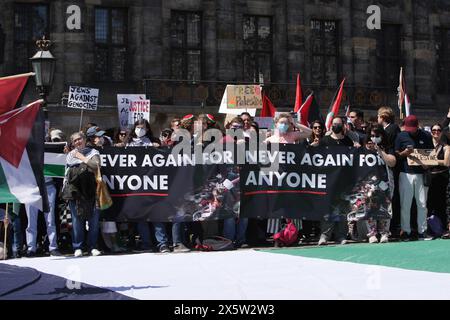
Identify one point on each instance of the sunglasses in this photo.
(373, 136)
(317, 128)
(436, 130)
(122, 134)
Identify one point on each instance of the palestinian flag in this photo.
(335, 105)
(310, 111)
(298, 95)
(54, 160)
(11, 91)
(268, 109)
(22, 156)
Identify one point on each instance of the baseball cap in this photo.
(91, 131)
(411, 124)
(100, 133)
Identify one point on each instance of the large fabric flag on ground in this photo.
(298, 95)
(11, 89)
(54, 160)
(268, 109)
(335, 105)
(21, 179)
(310, 111)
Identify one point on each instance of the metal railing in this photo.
(210, 93)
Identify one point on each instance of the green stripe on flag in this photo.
(5, 194)
(54, 171)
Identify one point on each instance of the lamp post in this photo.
(43, 64)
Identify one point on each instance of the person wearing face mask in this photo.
(411, 181)
(284, 132)
(335, 223)
(338, 135)
(377, 141)
(141, 135)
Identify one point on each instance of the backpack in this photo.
(435, 224)
(289, 234)
(217, 244)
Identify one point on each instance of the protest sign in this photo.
(423, 157)
(225, 110)
(148, 184)
(139, 109)
(244, 97)
(123, 106)
(83, 98)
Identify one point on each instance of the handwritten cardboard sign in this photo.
(244, 97)
(423, 157)
(83, 98)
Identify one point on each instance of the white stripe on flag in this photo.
(22, 182)
(55, 158)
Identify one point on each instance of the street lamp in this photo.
(43, 64)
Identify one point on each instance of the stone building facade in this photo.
(182, 53)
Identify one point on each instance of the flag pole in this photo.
(5, 225)
(29, 74)
(81, 118)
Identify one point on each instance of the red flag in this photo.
(310, 111)
(15, 130)
(268, 109)
(10, 90)
(298, 95)
(304, 110)
(336, 104)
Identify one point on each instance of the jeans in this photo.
(79, 228)
(235, 231)
(17, 230)
(411, 185)
(160, 234)
(32, 215)
(177, 238)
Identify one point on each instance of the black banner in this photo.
(149, 184)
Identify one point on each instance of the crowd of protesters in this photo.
(394, 143)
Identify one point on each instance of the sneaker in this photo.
(323, 241)
(180, 248)
(78, 253)
(384, 239)
(30, 254)
(55, 253)
(342, 242)
(95, 253)
(373, 239)
(414, 236)
(425, 237)
(16, 255)
(164, 249)
(404, 236)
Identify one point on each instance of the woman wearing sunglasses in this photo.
(317, 133)
(437, 193)
(121, 138)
